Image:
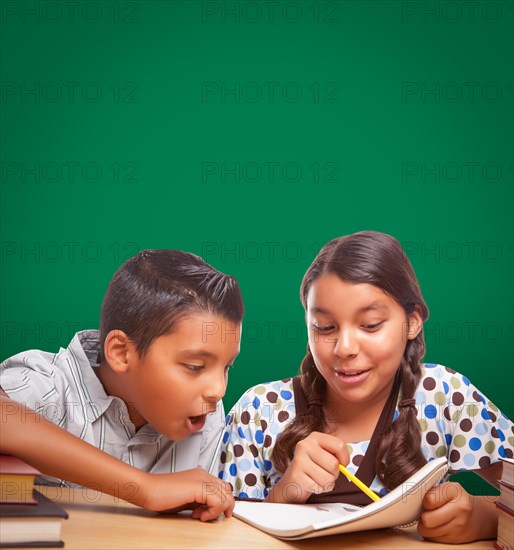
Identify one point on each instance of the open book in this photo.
(401, 506)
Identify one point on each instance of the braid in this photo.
(313, 385)
(399, 454)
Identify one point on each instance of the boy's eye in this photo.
(194, 368)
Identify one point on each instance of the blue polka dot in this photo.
(446, 388)
(430, 411)
(481, 428)
(430, 365)
(243, 495)
(256, 493)
(265, 492)
(267, 465)
(273, 428)
(501, 435)
(485, 414)
(221, 475)
(364, 446)
(240, 432)
(227, 419)
(469, 459)
(286, 394)
(465, 380)
(448, 438)
(244, 464)
(259, 436)
(475, 443)
(383, 491)
(501, 451)
(395, 416)
(225, 437)
(504, 425)
(256, 464)
(256, 402)
(233, 470)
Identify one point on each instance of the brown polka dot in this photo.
(283, 416)
(446, 413)
(492, 415)
(476, 397)
(448, 369)
(357, 459)
(250, 479)
(454, 456)
(466, 425)
(267, 441)
(272, 396)
(484, 462)
(509, 453)
(238, 450)
(432, 438)
(264, 425)
(457, 398)
(245, 417)
(429, 383)
(223, 457)
(494, 433)
(286, 380)
(254, 451)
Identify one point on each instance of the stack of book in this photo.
(27, 518)
(505, 505)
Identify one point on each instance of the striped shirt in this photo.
(64, 388)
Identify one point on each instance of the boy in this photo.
(129, 410)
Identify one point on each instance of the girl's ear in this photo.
(118, 349)
(415, 323)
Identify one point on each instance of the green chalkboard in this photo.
(251, 133)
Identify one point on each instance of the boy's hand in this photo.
(448, 515)
(196, 489)
(314, 468)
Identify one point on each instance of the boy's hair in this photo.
(377, 259)
(152, 290)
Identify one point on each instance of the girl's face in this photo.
(357, 336)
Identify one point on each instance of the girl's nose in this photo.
(346, 344)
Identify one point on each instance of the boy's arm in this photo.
(29, 436)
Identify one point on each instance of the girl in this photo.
(364, 400)
(129, 410)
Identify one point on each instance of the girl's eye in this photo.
(325, 329)
(374, 326)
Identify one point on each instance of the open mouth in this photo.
(352, 376)
(196, 422)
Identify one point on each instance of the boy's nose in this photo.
(216, 388)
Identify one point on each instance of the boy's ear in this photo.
(415, 323)
(118, 350)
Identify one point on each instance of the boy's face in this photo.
(183, 375)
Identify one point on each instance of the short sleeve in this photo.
(249, 437)
(460, 421)
(31, 379)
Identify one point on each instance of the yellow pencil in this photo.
(359, 483)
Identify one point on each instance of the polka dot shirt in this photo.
(456, 421)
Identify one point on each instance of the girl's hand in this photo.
(314, 468)
(451, 515)
(195, 490)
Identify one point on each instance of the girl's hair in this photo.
(377, 259)
(151, 291)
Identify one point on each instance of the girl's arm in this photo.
(29, 436)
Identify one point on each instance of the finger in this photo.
(442, 494)
(215, 507)
(435, 532)
(334, 446)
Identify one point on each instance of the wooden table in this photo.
(98, 521)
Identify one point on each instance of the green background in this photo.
(141, 111)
